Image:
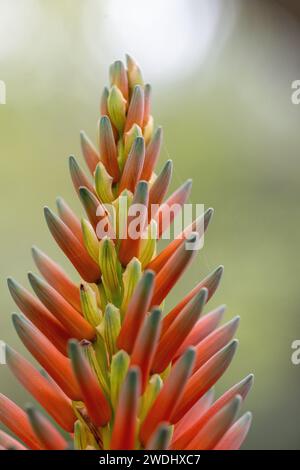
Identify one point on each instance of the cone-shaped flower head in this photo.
(119, 372)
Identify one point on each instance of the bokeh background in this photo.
(221, 72)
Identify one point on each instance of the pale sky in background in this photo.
(170, 37)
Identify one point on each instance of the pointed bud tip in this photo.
(202, 295)
(83, 190)
(219, 271)
(236, 402)
(72, 162)
(158, 133)
(29, 408)
(133, 376)
(11, 282)
(138, 91)
(249, 379)
(142, 188)
(156, 314)
(189, 355)
(247, 417)
(149, 276)
(36, 252)
(139, 144)
(49, 214)
(17, 320)
(33, 278)
(232, 346)
(104, 121)
(73, 348)
(188, 184)
(208, 214)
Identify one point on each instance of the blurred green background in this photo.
(221, 73)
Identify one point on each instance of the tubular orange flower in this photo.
(202, 329)
(93, 396)
(39, 315)
(216, 427)
(118, 372)
(204, 378)
(235, 436)
(72, 247)
(61, 309)
(172, 206)
(56, 404)
(133, 166)
(211, 283)
(182, 437)
(136, 311)
(108, 149)
(45, 431)
(146, 344)
(69, 218)
(89, 152)
(129, 247)
(180, 328)
(17, 421)
(56, 277)
(135, 113)
(199, 225)
(55, 363)
(124, 432)
(78, 176)
(152, 154)
(169, 396)
(9, 443)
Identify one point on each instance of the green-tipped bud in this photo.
(119, 367)
(111, 325)
(134, 73)
(103, 102)
(148, 245)
(117, 108)
(131, 277)
(161, 437)
(121, 205)
(153, 388)
(90, 203)
(111, 270)
(130, 137)
(89, 305)
(103, 184)
(97, 357)
(147, 104)
(118, 77)
(90, 240)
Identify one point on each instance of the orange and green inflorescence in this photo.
(117, 371)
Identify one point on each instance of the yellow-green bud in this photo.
(119, 367)
(90, 239)
(148, 245)
(153, 388)
(89, 305)
(131, 277)
(103, 183)
(111, 328)
(117, 108)
(111, 271)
